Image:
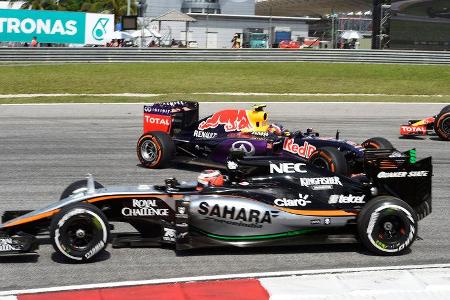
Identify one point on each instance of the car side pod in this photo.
(20, 244)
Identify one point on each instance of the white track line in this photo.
(220, 277)
(316, 94)
(142, 95)
(13, 96)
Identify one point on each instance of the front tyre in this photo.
(79, 232)
(377, 143)
(155, 149)
(387, 226)
(78, 187)
(331, 159)
(442, 124)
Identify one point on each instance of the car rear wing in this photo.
(170, 117)
(403, 176)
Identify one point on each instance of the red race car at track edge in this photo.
(440, 124)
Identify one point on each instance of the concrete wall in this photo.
(237, 7)
(156, 8)
(231, 7)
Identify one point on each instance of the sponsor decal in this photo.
(341, 199)
(153, 119)
(326, 221)
(303, 151)
(288, 168)
(182, 235)
(95, 250)
(231, 119)
(144, 208)
(231, 165)
(157, 122)
(7, 244)
(181, 212)
(156, 110)
(321, 181)
(204, 135)
(169, 235)
(403, 174)
(413, 130)
(260, 133)
(244, 146)
(237, 216)
(301, 201)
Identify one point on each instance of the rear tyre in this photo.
(377, 143)
(155, 149)
(442, 124)
(331, 159)
(445, 109)
(387, 226)
(78, 187)
(79, 232)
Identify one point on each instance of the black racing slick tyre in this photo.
(445, 109)
(79, 232)
(387, 226)
(78, 187)
(377, 143)
(442, 124)
(155, 149)
(331, 159)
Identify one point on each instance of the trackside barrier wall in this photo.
(31, 55)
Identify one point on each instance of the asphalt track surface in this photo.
(45, 148)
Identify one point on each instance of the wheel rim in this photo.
(390, 229)
(391, 232)
(446, 125)
(149, 151)
(80, 233)
(320, 162)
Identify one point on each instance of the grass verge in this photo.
(213, 98)
(162, 78)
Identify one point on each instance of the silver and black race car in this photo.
(260, 202)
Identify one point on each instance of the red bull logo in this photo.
(304, 151)
(232, 119)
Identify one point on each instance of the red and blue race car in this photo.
(440, 124)
(173, 132)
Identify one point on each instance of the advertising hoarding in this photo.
(17, 25)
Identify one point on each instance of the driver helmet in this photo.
(210, 178)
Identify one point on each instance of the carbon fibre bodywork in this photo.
(264, 202)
